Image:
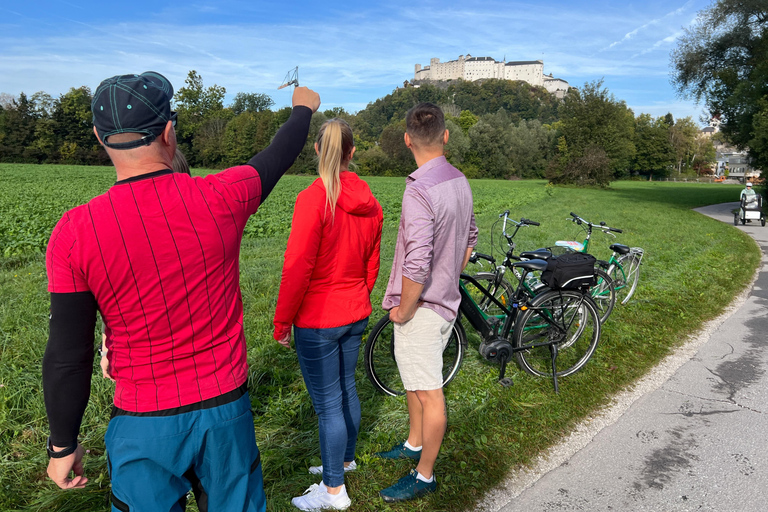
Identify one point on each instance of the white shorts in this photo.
(419, 345)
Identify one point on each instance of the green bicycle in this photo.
(623, 267)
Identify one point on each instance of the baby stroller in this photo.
(751, 208)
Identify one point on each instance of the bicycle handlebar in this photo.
(476, 255)
(600, 226)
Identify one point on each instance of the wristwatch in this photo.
(63, 453)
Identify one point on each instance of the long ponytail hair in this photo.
(334, 148)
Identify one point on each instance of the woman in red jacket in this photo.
(331, 265)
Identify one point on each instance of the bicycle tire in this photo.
(568, 317)
(379, 357)
(604, 294)
(625, 274)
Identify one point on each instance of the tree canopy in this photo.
(723, 60)
(498, 129)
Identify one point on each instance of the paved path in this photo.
(691, 436)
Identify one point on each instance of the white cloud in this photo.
(656, 21)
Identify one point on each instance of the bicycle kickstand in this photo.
(553, 352)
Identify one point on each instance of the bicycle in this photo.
(603, 292)
(623, 266)
(552, 327)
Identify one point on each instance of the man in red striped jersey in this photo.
(158, 256)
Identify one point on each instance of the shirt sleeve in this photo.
(419, 230)
(64, 274)
(300, 258)
(473, 231)
(68, 364)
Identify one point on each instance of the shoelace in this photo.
(312, 489)
(405, 482)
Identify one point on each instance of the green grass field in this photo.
(693, 268)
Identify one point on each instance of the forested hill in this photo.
(520, 100)
(498, 129)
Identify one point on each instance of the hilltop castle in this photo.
(470, 68)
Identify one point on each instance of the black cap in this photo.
(132, 104)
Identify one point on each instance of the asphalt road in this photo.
(689, 437)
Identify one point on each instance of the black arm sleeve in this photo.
(68, 364)
(272, 162)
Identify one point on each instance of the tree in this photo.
(458, 143)
(723, 60)
(73, 123)
(704, 155)
(490, 140)
(196, 105)
(246, 135)
(654, 154)
(466, 120)
(251, 102)
(531, 147)
(392, 144)
(594, 117)
(17, 126)
(682, 136)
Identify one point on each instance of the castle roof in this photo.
(481, 58)
(523, 62)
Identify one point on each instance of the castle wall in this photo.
(482, 68)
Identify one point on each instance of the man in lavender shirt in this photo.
(436, 237)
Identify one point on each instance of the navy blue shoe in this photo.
(399, 451)
(408, 488)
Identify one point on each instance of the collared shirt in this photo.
(437, 225)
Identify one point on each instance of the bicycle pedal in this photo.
(506, 382)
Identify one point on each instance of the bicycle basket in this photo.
(570, 271)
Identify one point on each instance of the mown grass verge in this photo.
(694, 266)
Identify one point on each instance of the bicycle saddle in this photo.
(531, 265)
(619, 248)
(538, 254)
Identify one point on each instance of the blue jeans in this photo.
(328, 358)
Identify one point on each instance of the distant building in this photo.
(729, 157)
(471, 68)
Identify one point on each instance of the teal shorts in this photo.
(154, 461)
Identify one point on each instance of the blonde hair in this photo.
(334, 149)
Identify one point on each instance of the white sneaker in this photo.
(318, 470)
(318, 498)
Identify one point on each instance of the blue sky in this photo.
(350, 52)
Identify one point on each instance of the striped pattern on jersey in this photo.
(160, 253)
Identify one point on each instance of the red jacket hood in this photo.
(356, 197)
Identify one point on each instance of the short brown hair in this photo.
(425, 125)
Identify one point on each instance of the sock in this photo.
(420, 477)
(413, 448)
(342, 492)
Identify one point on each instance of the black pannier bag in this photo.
(570, 271)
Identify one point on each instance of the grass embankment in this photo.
(693, 268)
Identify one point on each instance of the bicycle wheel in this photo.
(567, 318)
(604, 294)
(625, 275)
(379, 357)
